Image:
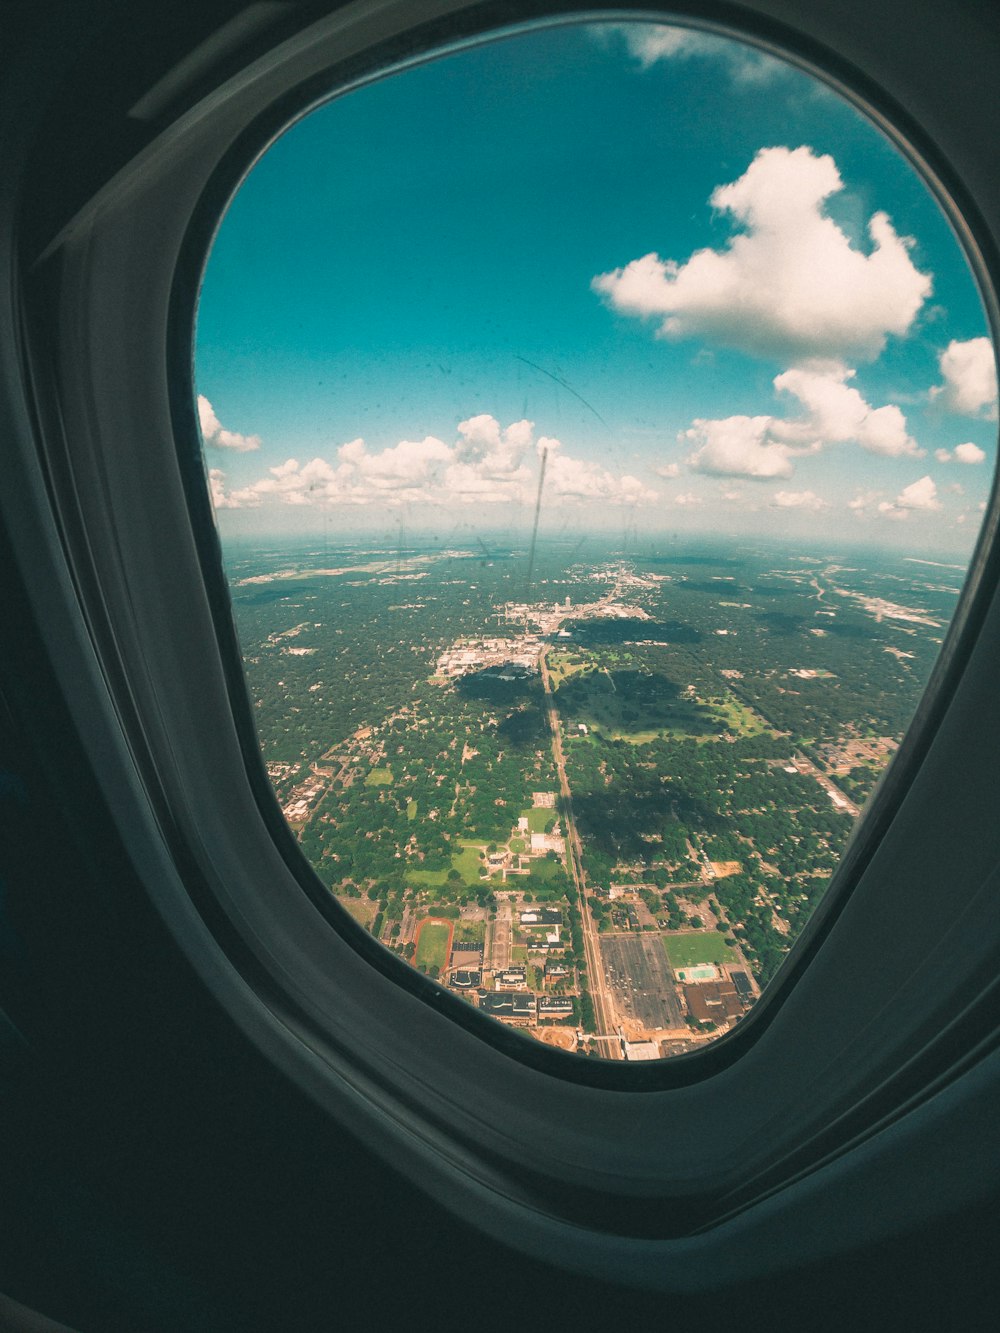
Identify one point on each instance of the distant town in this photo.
(599, 808)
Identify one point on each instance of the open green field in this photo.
(638, 737)
(411, 810)
(361, 909)
(543, 869)
(700, 946)
(537, 818)
(466, 862)
(435, 878)
(739, 719)
(730, 714)
(563, 665)
(379, 777)
(432, 947)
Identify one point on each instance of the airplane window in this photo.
(599, 423)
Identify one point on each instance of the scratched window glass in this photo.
(599, 422)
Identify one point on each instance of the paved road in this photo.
(604, 1009)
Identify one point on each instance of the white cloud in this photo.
(970, 378)
(687, 499)
(209, 422)
(919, 495)
(737, 447)
(217, 485)
(790, 284)
(835, 413)
(668, 470)
(486, 464)
(969, 453)
(214, 433)
(569, 478)
(864, 501)
(798, 500)
(650, 43)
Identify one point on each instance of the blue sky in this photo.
(711, 293)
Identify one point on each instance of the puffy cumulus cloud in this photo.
(481, 442)
(215, 433)
(409, 467)
(919, 495)
(409, 471)
(207, 419)
(970, 378)
(650, 43)
(969, 453)
(668, 470)
(737, 447)
(790, 284)
(688, 499)
(568, 478)
(834, 413)
(798, 500)
(221, 499)
(486, 464)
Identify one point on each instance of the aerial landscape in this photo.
(600, 807)
(597, 448)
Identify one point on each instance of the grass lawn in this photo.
(737, 717)
(537, 818)
(466, 862)
(379, 777)
(411, 810)
(700, 946)
(432, 947)
(517, 845)
(543, 869)
(563, 665)
(362, 909)
(519, 953)
(639, 737)
(434, 877)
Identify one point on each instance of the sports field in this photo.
(697, 946)
(379, 777)
(433, 944)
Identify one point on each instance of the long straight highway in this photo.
(604, 1008)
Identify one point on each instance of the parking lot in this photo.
(639, 976)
